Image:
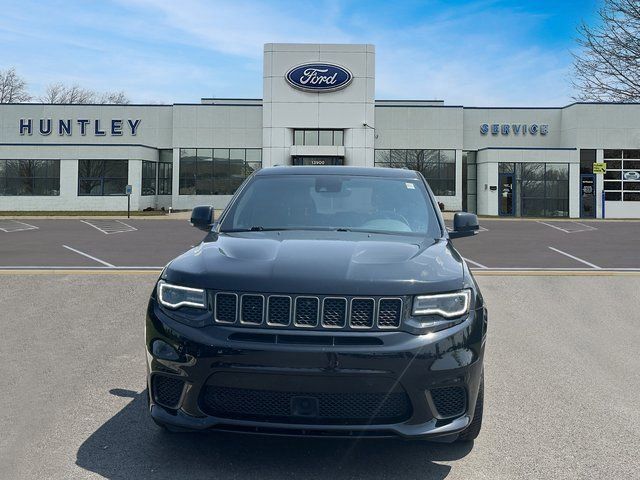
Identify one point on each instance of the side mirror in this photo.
(202, 217)
(464, 225)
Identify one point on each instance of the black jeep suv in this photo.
(325, 301)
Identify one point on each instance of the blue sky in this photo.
(472, 53)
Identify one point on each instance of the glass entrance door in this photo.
(587, 196)
(506, 194)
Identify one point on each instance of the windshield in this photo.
(334, 202)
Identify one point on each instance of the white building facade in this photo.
(319, 108)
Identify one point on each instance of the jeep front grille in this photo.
(362, 312)
(308, 311)
(251, 309)
(226, 307)
(389, 312)
(278, 310)
(334, 312)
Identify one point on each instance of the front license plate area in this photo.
(305, 406)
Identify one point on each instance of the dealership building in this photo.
(318, 108)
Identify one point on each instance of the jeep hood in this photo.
(320, 263)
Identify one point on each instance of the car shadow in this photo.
(130, 445)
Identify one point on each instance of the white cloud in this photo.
(473, 56)
(241, 28)
(480, 53)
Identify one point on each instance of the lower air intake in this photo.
(322, 408)
(449, 401)
(167, 390)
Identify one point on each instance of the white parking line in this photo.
(9, 226)
(62, 267)
(558, 269)
(109, 227)
(586, 228)
(576, 258)
(474, 263)
(107, 264)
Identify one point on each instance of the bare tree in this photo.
(118, 98)
(75, 94)
(61, 93)
(13, 89)
(608, 66)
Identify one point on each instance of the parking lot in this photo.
(502, 245)
(562, 378)
(561, 399)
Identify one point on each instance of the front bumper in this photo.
(413, 364)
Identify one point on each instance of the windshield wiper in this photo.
(257, 228)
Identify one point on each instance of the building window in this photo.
(102, 177)
(622, 180)
(30, 177)
(318, 137)
(148, 178)
(216, 171)
(437, 166)
(542, 189)
(165, 172)
(469, 181)
(587, 159)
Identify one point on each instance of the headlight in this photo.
(447, 305)
(174, 296)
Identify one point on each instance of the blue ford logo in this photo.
(319, 77)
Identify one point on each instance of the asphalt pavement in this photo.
(151, 243)
(562, 389)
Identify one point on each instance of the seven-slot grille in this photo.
(305, 311)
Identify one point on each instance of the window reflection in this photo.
(217, 171)
(437, 166)
(148, 178)
(102, 177)
(542, 189)
(315, 137)
(30, 177)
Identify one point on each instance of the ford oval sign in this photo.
(319, 77)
